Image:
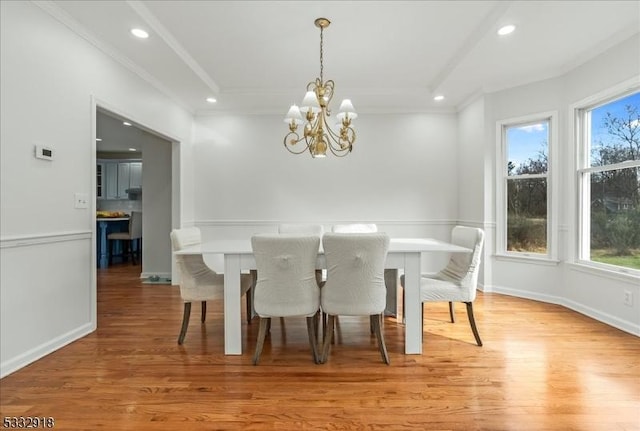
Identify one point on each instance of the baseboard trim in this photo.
(623, 325)
(159, 274)
(14, 364)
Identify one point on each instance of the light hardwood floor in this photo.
(542, 367)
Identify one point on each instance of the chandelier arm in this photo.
(329, 86)
(336, 139)
(295, 139)
(339, 152)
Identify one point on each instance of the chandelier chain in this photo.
(321, 52)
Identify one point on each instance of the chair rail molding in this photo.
(43, 238)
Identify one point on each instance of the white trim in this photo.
(610, 272)
(552, 176)
(173, 43)
(327, 222)
(530, 258)
(159, 274)
(580, 239)
(612, 167)
(38, 352)
(43, 238)
(64, 18)
(616, 322)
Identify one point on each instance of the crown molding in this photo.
(173, 43)
(487, 24)
(64, 18)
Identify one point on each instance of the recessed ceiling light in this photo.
(506, 29)
(124, 123)
(132, 149)
(438, 98)
(98, 139)
(138, 32)
(211, 99)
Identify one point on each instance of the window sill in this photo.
(528, 258)
(628, 275)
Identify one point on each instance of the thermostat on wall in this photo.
(45, 153)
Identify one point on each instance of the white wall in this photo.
(596, 293)
(402, 171)
(50, 76)
(156, 205)
(475, 185)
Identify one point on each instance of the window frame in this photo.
(583, 169)
(502, 177)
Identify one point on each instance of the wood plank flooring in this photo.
(542, 367)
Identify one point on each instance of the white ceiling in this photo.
(387, 56)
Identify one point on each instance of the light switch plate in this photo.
(81, 200)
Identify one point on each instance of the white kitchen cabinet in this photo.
(124, 175)
(115, 177)
(110, 180)
(135, 175)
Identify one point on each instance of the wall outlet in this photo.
(628, 298)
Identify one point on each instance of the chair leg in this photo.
(327, 338)
(185, 322)
(323, 317)
(249, 306)
(313, 337)
(472, 321)
(134, 261)
(203, 308)
(377, 323)
(452, 312)
(262, 333)
(110, 252)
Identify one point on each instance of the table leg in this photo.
(232, 312)
(391, 282)
(413, 305)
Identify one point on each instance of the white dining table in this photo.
(404, 253)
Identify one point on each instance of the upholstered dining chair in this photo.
(390, 274)
(305, 229)
(133, 233)
(458, 281)
(197, 281)
(355, 282)
(286, 285)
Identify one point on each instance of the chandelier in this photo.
(318, 134)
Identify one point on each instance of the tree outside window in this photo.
(611, 183)
(526, 188)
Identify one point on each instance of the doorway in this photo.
(123, 147)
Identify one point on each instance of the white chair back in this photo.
(301, 229)
(355, 228)
(355, 273)
(185, 237)
(463, 268)
(194, 272)
(286, 284)
(135, 225)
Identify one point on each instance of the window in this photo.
(609, 183)
(524, 209)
